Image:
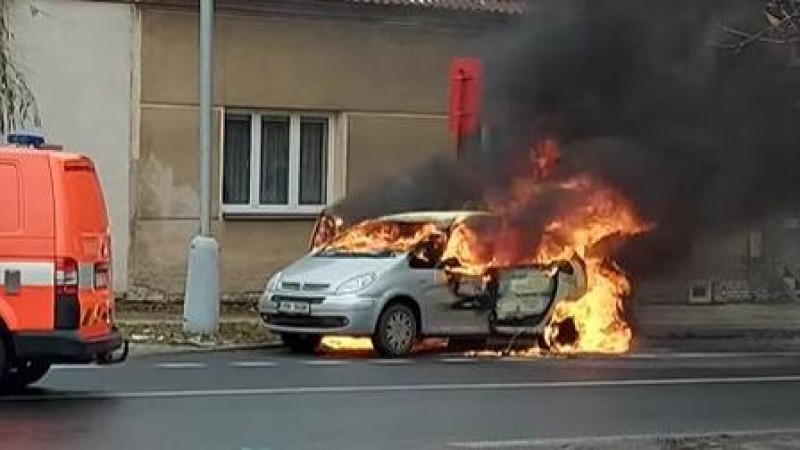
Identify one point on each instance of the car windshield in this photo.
(379, 239)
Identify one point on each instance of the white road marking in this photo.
(181, 365)
(77, 367)
(391, 362)
(589, 440)
(254, 364)
(458, 360)
(643, 356)
(300, 390)
(326, 362)
(522, 359)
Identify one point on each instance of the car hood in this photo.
(334, 271)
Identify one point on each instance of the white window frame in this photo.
(293, 208)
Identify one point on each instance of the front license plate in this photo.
(294, 307)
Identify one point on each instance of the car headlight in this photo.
(272, 284)
(356, 284)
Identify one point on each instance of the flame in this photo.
(338, 343)
(596, 315)
(591, 213)
(541, 220)
(380, 236)
(326, 229)
(598, 214)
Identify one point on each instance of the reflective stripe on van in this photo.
(30, 273)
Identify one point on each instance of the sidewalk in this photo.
(663, 327)
(718, 328)
(744, 440)
(165, 328)
(719, 320)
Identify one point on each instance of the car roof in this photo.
(433, 216)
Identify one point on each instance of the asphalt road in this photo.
(271, 400)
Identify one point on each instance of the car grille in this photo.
(305, 287)
(305, 321)
(289, 298)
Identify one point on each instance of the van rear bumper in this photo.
(65, 346)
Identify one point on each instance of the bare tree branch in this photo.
(18, 107)
(782, 27)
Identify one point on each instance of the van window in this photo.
(85, 203)
(10, 207)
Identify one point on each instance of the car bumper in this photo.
(67, 346)
(343, 315)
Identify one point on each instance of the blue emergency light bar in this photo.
(26, 139)
(30, 139)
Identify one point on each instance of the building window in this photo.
(277, 163)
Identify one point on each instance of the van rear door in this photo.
(27, 241)
(84, 242)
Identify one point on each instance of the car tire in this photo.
(301, 343)
(25, 374)
(396, 332)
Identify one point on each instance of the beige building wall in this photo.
(386, 85)
(78, 57)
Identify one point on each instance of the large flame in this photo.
(591, 214)
(380, 236)
(540, 220)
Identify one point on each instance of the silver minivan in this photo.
(399, 297)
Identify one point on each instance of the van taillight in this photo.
(66, 276)
(67, 312)
(101, 276)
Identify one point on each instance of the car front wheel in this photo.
(396, 332)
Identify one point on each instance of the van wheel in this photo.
(25, 374)
(396, 332)
(301, 343)
(4, 362)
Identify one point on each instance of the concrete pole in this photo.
(201, 305)
(206, 111)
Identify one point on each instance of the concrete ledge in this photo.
(167, 330)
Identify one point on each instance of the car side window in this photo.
(428, 253)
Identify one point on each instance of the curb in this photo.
(148, 321)
(724, 333)
(173, 349)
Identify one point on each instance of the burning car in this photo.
(402, 277)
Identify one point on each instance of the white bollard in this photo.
(201, 304)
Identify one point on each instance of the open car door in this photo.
(525, 295)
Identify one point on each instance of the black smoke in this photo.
(646, 96)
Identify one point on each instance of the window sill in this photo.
(246, 212)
